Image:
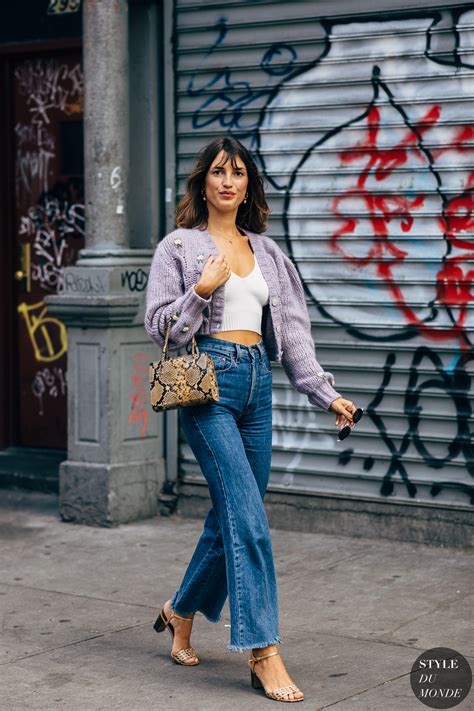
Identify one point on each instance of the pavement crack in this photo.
(370, 640)
(75, 642)
(359, 693)
(364, 691)
(85, 597)
(439, 605)
(335, 563)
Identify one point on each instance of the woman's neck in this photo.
(222, 226)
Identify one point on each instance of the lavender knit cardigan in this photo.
(176, 267)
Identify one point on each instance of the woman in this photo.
(219, 278)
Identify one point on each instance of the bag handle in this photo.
(194, 346)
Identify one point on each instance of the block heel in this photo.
(160, 624)
(182, 656)
(256, 683)
(280, 694)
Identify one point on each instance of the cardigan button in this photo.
(278, 328)
(274, 302)
(177, 241)
(185, 328)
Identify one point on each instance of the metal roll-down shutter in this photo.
(363, 126)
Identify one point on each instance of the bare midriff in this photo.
(246, 338)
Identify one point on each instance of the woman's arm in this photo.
(299, 356)
(167, 299)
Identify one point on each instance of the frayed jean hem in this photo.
(257, 645)
(209, 618)
(192, 612)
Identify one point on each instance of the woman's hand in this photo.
(344, 410)
(215, 272)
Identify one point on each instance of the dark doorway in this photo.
(47, 232)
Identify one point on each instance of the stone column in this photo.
(106, 123)
(115, 465)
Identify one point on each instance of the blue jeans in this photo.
(232, 440)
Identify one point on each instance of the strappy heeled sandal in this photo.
(276, 694)
(182, 655)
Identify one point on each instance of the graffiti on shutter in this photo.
(363, 131)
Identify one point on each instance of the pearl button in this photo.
(185, 328)
(274, 302)
(278, 328)
(177, 241)
(218, 325)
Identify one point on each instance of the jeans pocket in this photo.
(265, 364)
(222, 361)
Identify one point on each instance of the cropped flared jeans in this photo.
(231, 440)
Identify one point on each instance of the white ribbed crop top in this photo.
(244, 299)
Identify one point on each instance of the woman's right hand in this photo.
(344, 410)
(215, 272)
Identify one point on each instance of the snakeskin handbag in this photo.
(184, 380)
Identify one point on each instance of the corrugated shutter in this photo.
(364, 129)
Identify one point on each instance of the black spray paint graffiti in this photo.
(454, 385)
(386, 254)
(237, 107)
(83, 284)
(387, 257)
(445, 309)
(134, 279)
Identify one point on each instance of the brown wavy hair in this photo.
(192, 209)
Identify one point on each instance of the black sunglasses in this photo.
(346, 430)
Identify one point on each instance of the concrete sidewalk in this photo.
(78, 606)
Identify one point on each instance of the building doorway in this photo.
(47, 232)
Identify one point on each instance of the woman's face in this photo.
(226, 186)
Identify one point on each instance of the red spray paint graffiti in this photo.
(454, 280)
(139, 396)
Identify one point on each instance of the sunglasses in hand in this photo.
(346, 430)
